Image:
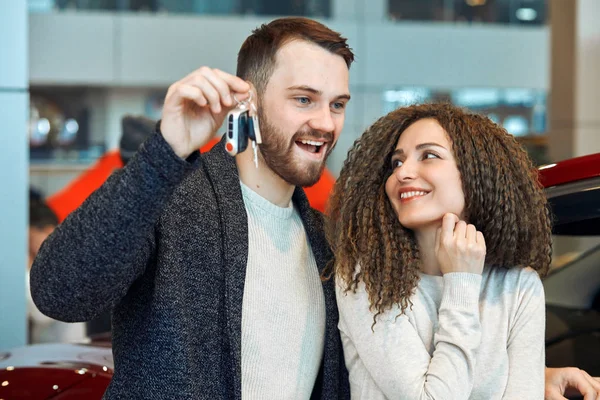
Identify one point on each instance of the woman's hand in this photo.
(459, 247)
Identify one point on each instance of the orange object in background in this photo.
(318, 194)
(74, 194)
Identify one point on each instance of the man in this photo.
(210, 265)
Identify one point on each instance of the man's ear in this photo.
(255, 97)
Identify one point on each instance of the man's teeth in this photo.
(312, 142)
(406, 195)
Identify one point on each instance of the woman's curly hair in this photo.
(503, 199)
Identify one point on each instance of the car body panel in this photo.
(571, 170)
(57, 371)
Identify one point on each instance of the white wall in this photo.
(155, 50)
(14, 100)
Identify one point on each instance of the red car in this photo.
(68, 371)
(573, 285)
(56, 371)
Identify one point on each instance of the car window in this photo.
(567, 250)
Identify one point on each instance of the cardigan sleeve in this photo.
(91, 259)
(394, 355)
(526, 346)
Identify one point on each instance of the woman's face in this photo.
(425, 183)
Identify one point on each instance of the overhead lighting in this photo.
(476, 97)
(526, 14)
(406, 96)
(516, 125)
(475, 3)
(547, 166)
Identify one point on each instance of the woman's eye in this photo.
(396, 163)
(428, 155)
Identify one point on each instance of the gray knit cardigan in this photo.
(164, 245)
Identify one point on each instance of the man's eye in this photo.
(303, 100)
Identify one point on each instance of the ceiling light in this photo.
(526, 14)
(475, 3)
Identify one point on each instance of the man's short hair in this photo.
(135, 131)
(257, 56)
(40, 215)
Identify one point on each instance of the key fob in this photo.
(238, 129)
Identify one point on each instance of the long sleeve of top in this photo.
(90, 261)
(466, 336)
(525, 344)
(394, 356)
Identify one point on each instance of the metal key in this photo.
(255, 149)
(255, 129)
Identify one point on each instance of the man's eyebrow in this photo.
(420, 147)
(306, 88)
(317, 92)
(343, 97)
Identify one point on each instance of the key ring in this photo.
(243, 102)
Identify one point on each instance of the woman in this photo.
(440, 231)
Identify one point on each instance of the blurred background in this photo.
(71, 69)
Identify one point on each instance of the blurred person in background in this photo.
(43, 329)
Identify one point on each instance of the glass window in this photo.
(522, 112)
(59, 126)
(309, 8)
(477, 11)
(576, 245)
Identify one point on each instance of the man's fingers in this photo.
(580, 383)
(208, 91)
(221, 86)
(594, 390)
(594, 381)
(590, 395)
(192, 93)
(236, 84)
(554, 396)
(217, 87)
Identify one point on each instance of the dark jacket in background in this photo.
(164, 242)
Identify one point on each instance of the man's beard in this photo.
(278, 153)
